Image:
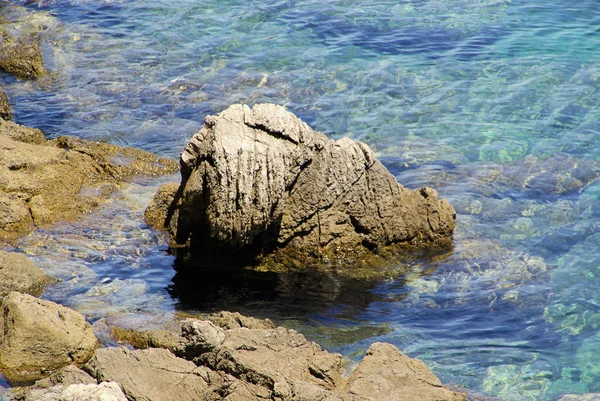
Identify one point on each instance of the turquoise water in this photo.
(494, 103)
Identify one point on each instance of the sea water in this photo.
(495, 103)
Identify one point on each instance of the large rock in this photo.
(38, 337)
(386, 374)
(22, 57)
(151, 374)
(258, 179)
(105, 391)
(18, 273)
(43, 182)
(235, 362)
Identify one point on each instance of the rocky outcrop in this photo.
(5, 110)
(22, 57)
(105, 391)
(232, 361)
(38, 337)
(151, 374)
(261, 179)
(385, 371)
(18, 273)
(42, 182)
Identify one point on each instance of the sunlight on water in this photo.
(495, 103)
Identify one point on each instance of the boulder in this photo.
(105, 391)
(386, 374)
(43, 182)
(151, 374)
(5, 110)
(22, 57)
(18, 273)
(38, 337)
(258, 179)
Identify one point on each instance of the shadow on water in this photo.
(296, 294)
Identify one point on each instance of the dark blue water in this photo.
(494, 103)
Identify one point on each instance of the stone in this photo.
(273, 359)
(38, 337)
(22, 57)
(157, 212)
(5, 110)
(18, 273)
(584, 397)
(200, 336)
(255, 180)
(151, 374)
(235, 320)
(387, 374)
(105, 391)
(43, 182)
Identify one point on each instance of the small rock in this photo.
(5, 110)
(22, 58)
(105, 391)
(235, 320)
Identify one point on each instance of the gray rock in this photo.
(152, 374)
(584, 397)
(18, 273)
(257, 179)
(38, 337)
(386, 374)
(200, 336)
(105, 391)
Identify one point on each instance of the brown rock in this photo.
(584, 397)
(157, 212)
(235, 320)
(258, 179)
(18, 273)
(38, 337)
(22, 57)
(5, 110)
(386, 374)
(42, 182)
(151, 374)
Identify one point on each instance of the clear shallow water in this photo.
(494, 103)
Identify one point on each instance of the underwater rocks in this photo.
(224, 359)
(256, 180)
(38, 337)
(46, 181)
(5, 110)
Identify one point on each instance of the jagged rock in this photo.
(42, 182)
(105, 391)
(18, 273)
(235, 320)
(273, 359)
(200, 336)
(38, 337)
(258, 179)
(5, 110)
(156, 213)
(386, 374)
(22, 57)
(152, 374)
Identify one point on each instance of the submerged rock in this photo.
(38, 337)
(18, 273)
(43, 182)
(255, 180)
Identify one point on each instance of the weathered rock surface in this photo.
(18, 273)
(584, 397)
(38, 337)
(151, 374)
(5, 110)
(236, 362)
(105, 391)
(42, 182)
(386, 374)
(22, 57)
(258, 179)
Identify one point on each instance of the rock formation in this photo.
(261, 179)
(38, 337)
(5, 110)
(42, 182)
(18, 273)
(233, 357)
